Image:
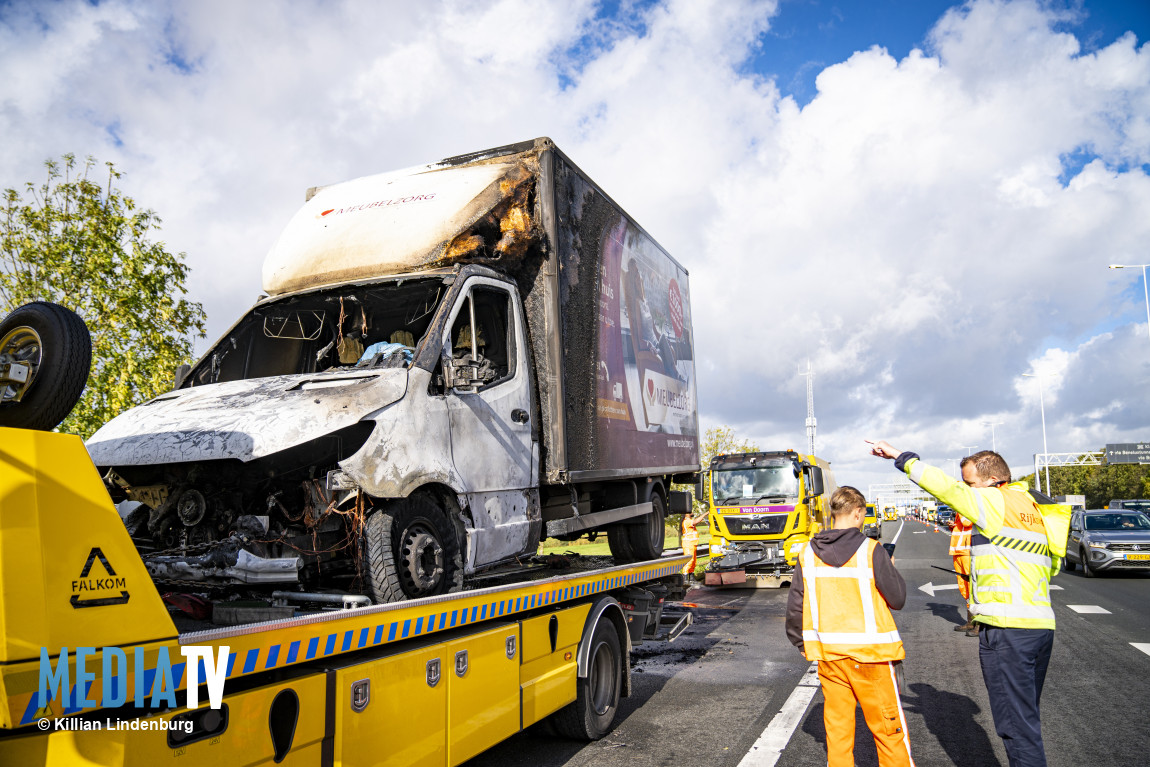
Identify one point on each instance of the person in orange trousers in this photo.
(690, 539)
(839, 613)
(960, 551)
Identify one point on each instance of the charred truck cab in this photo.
(449, 363)
(764, 507)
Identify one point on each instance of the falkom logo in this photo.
(98, 584)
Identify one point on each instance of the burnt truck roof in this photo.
(479, 207)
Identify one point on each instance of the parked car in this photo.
(945, 517)
(1108, 539)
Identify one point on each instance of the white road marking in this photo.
(1141, 646)
(921, 532)
(930, 588)
(1089, 609)
(769, 747)
(1056, 588)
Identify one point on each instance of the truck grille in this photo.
(766, 524)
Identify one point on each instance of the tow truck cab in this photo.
(763, 508)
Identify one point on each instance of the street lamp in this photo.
(1042, 408)
(992, 424)
(967, 449)
(1145, 289)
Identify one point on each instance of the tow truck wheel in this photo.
(647, 538)
(596, 695)
(412, 552)
(45, 356)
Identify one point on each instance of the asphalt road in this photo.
(707, 697)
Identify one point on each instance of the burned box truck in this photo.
(450, 364)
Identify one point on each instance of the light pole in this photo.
(967, 449)
(1042, 409)
(1145, 289)
(992, 424)
(954, 467)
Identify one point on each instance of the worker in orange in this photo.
(839, 613)
(960, 551)
(690, 539)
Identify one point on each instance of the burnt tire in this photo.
(620, 544)
(597, 695)
(54, 342)
(648, 536)
(412, 551)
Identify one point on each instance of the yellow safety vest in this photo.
(1011, 567)
(960, 536)
(844, 615)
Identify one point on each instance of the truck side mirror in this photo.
(461, 374)
(181, 376)
(814, 481)
(701, 487)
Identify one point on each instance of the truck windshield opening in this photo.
(352, 326)
(755, 485)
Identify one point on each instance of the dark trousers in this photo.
(1014, 663)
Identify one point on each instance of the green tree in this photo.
(1099, 484)
(88, 247)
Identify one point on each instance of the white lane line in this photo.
(1089, 609)
(1055, 588)
(769, 747)
(921, 532)
(1141, 646)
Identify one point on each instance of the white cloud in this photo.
(911, 230)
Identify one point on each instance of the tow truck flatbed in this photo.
(456, 673)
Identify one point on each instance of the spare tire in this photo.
(45, 358)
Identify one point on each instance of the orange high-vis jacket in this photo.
(844, 614)
(960, 536)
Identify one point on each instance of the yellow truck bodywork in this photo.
(804, 516)
(357, 683)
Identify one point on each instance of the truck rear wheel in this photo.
(597, 695)
(51, 346)
(412, 551)
(647, 538)
(620, 543)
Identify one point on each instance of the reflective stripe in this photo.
(869, 637)
(1026, 535)
(1002, 610)
(859, 573)
(981, 521)
(990, 550)
(915, 471)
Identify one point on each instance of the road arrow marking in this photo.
(930, 588)
(1141, 646)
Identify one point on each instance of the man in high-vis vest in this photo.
(960, 551)
(1013, 559)
(838, 613)
(690, 540)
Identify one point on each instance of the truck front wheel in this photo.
(412, 552)
(597, 694)
(647, 537)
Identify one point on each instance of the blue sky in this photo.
(809, 35)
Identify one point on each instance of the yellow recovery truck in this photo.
(91, 668)
(764, 507)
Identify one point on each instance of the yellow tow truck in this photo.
(99, 666)
(763, 508)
